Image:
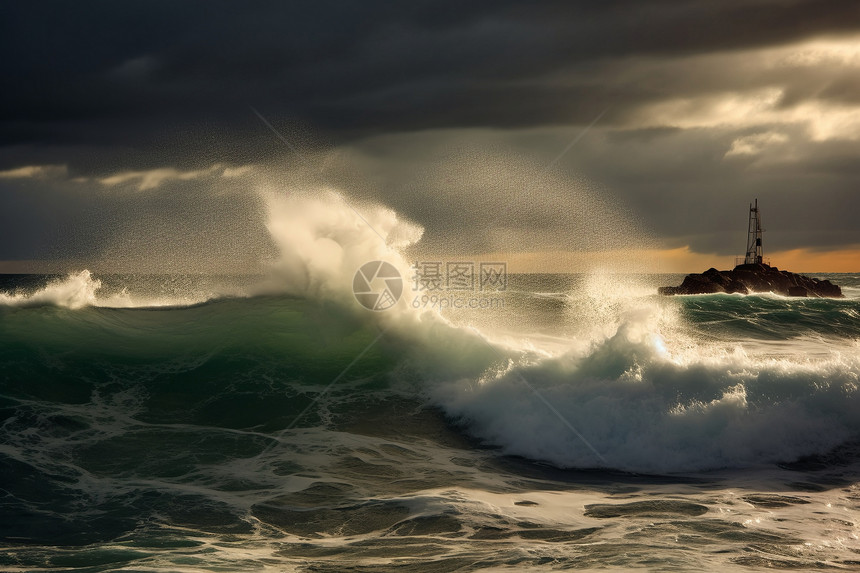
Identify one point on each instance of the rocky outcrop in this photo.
(754, 278)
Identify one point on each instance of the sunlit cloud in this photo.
(825, 51)
(733, 109)
(756, 143)
(152, 178)
(826, 122)
(790, 85)
(237, 171)
(35, 172)
(759, 108)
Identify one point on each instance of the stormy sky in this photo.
(135, 131)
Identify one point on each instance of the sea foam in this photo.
(631, 386)
(76, 290)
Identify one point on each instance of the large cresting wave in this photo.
(633, 384)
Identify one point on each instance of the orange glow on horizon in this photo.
(683, 260)
(804, 260)
(679, 260)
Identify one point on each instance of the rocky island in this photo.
(754, 275)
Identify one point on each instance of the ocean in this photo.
(206, 423)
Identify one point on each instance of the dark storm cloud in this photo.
(164, 78)
(430, 96)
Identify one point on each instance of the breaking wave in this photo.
(629, 380)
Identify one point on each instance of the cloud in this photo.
(358, 70)
(756, 143)
(445, 110)
(186, 223)
(758, 108)
(237, 171)
(154, 177)
(35, 172)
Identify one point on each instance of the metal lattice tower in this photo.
(754, 250)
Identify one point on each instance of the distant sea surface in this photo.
(192, 423)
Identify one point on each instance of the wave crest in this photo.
(647, 404)
(76, 290)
